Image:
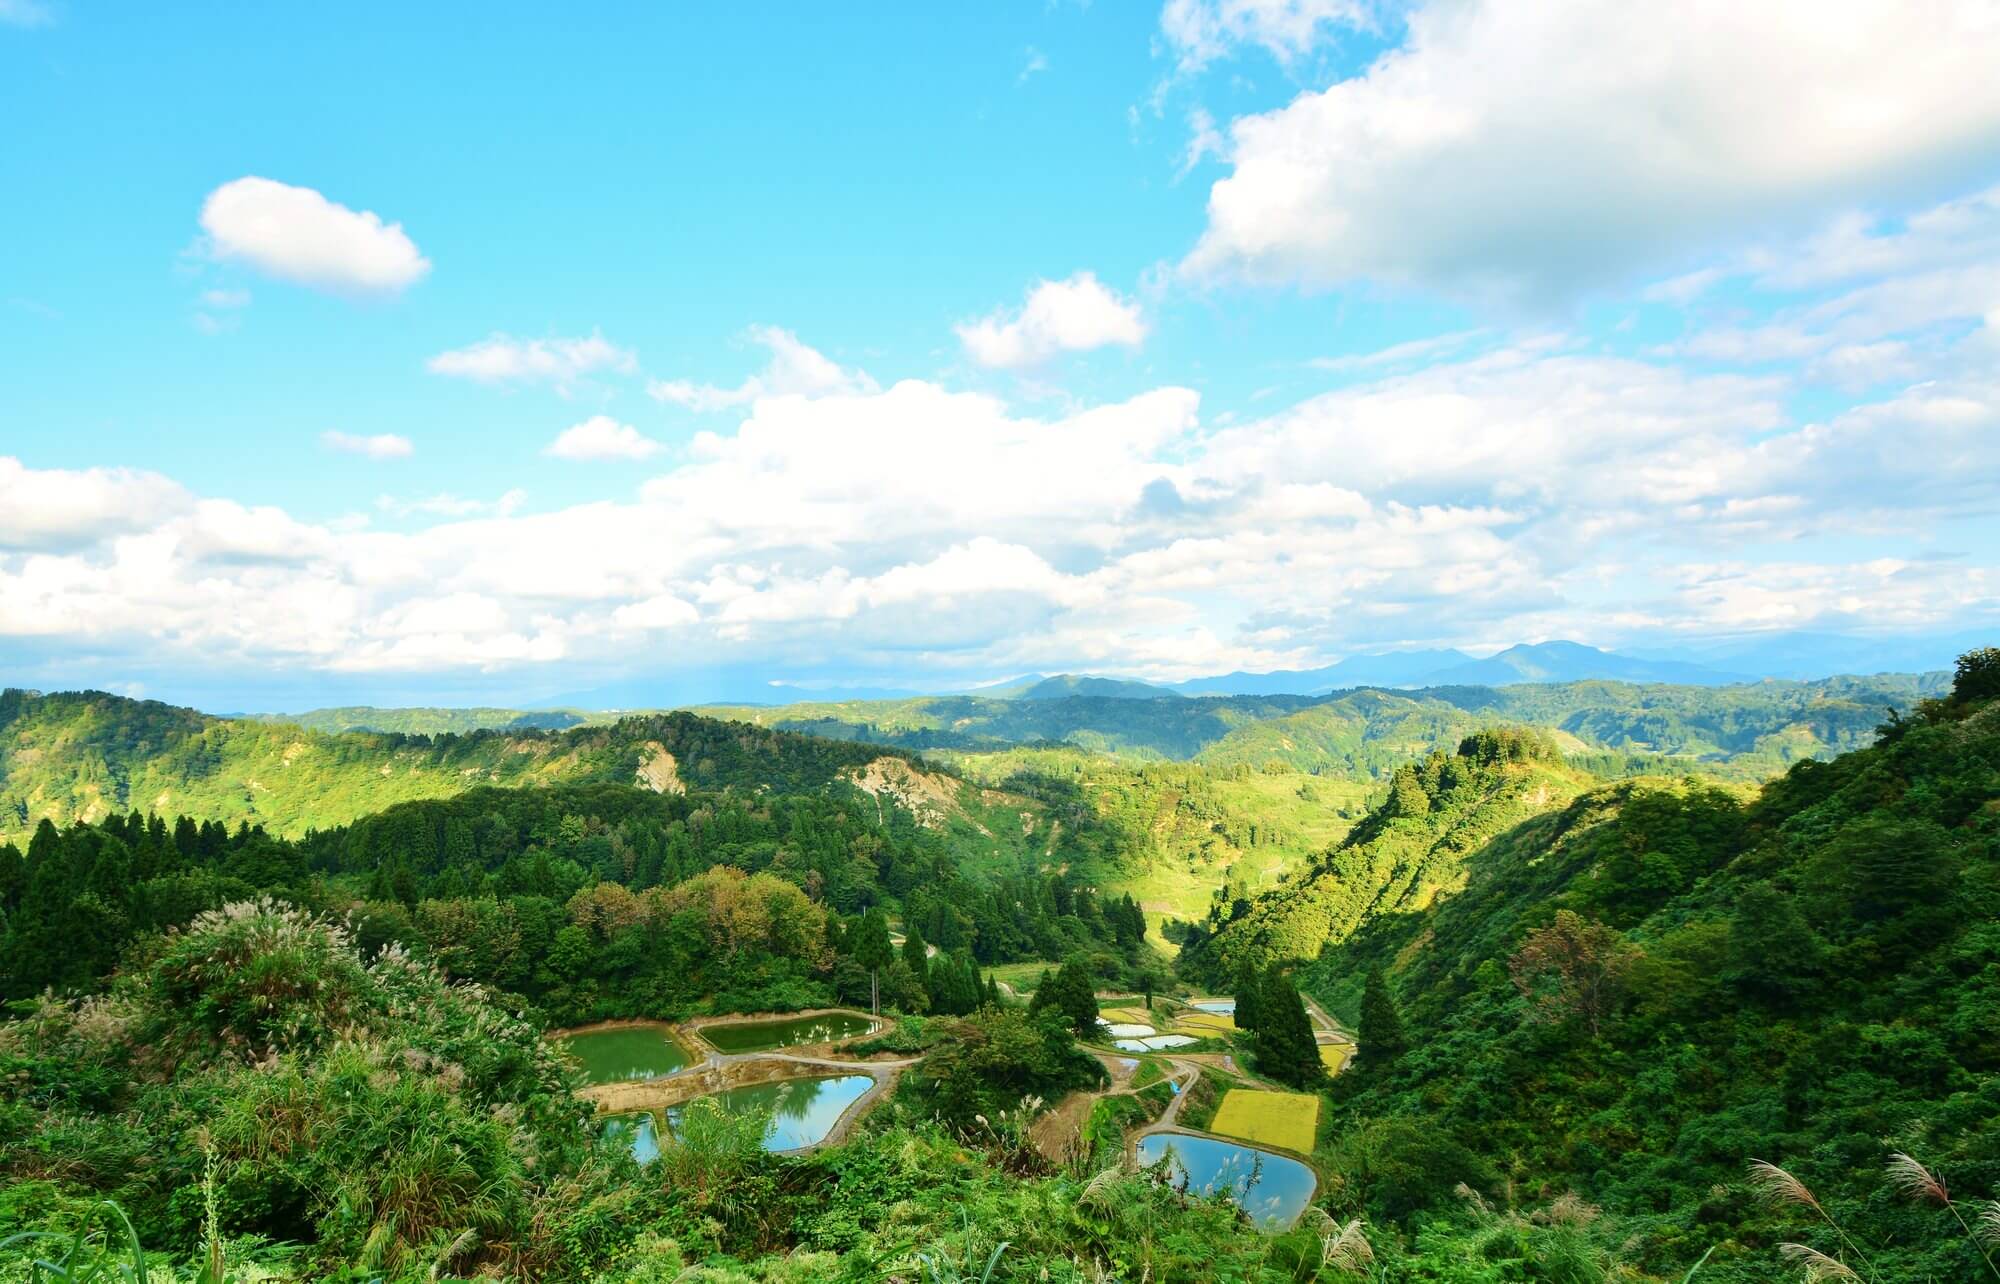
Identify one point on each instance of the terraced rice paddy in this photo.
(626, 1053)
(784, 1032)
(1133, 1028)
(1271, 1188)
(1287, 1119)
(803, 1111)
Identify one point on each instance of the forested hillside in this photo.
(434, 721)
(1748, 731)
(1631, 994)
(90, 755)
(589, 901)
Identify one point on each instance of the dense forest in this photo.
(589, 902)
(1748, 730)
(1629, 993)
(1654, 1028)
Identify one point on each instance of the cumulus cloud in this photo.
(298, 235)
(58, 508)
(502, 358)
(602, 437)
(381, 445)
(794, 369)
(1531, 148)
(1529, 489)
(1073, 315)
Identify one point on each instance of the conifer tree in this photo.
(1072, 993)
(1285, 1047)
(1382, 1037)
(916, 954)
(872, 950)
(1249, 987)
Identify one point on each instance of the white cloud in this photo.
(56, 507)
(1531, 490)
(1073, 315)
(1398, 354)
(298, 235)
(1202, 31)
(449, 505)
(504, 359)
(602, 437)
(793, 370)
(381, 445)
(1864, 302)
(226, 299)
(1535, 147)
(1034, 62)
(1204, 141)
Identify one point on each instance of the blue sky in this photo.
(511, 353)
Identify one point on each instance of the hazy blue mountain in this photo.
(1389, 669)
(1065, 685)
(1803, 655)
(1572, 662)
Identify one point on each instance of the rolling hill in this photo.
(81, 756)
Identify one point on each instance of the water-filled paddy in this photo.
(1272, 1189)
(1156, 1043)
(803, 1111)
(626, 1053)
(785, 1032)
(1222, 1007)
(640, 1131)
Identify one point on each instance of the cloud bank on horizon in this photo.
(1643, 337)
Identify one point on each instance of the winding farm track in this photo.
(1058, 1131)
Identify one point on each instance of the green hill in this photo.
(86, 755)
(1746, 731)
(434, 721)
(1623, 994)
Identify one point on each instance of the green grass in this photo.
(1020, 976)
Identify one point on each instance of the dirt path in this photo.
(1058, 1132)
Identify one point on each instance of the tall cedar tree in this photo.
(1072, 993)
(1248, 988)
(1285, 1048)
(873, 950)
(1382, 1039)
(916, 953)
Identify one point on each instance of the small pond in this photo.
(640, 1130)
(626, 1053)
(1274, 1190)
(803, 1111)
(785, 1032)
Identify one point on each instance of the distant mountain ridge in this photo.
(1573, 662)
(1064, 686)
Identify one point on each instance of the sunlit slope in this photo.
(80, 756)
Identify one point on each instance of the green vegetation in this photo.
(1281, 1038)
(1626, 993)
(1748, 730)
(588, 902)
(1612, 1029)
(434, 722)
